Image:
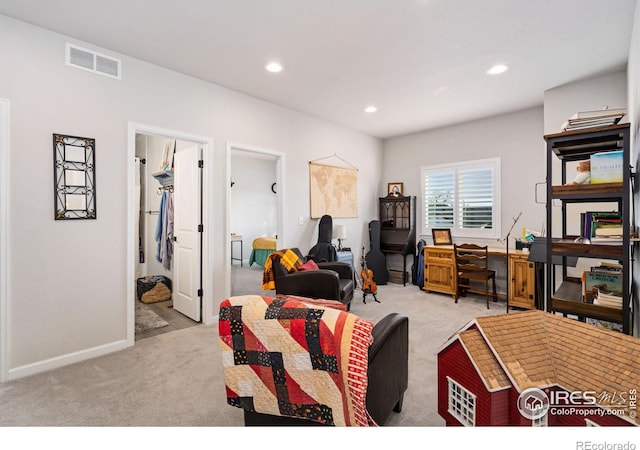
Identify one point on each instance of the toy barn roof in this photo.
(484, 360)
(539, 349)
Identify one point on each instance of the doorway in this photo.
(255, 211)
(170, 201)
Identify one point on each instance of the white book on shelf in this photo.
(598, 113)
(596, 118)
(609, 231)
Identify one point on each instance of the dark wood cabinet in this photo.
(398, 228)
(565, 293)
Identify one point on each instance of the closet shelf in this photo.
(165, 177)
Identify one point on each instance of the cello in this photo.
(368, 285)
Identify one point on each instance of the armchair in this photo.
(332, 280)
(316, 392)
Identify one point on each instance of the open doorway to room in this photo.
(167, 232)
(255, 214)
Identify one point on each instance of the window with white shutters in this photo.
(464, 197)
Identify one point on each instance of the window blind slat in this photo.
(438, 190)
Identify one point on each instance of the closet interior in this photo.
(155, 266)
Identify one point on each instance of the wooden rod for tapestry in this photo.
(335, 155)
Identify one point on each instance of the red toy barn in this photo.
(535, 368)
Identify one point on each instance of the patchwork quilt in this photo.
(284, 357)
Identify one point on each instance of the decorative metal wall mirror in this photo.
(74, 177)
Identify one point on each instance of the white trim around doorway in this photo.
(280, 214)
(207, 247)
(4, 240)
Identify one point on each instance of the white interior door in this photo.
(186, 221)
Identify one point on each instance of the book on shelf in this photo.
(605, 324)
(606, 167)
(590, 123)
(603, 298)
(590, 221)
(578, 124)
(610, 266)
(608, 231)
(598, 113)
(605, 239)
(591, 119)
(593, 283)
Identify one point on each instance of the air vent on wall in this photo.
(91, 61)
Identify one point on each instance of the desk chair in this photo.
(472, 265)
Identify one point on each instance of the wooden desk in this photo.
(440, 274)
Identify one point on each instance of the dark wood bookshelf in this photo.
(604, 250)
(565, 295)
(590, 191)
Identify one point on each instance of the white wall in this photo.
(562, 102)
(515, 138)
(67, 282)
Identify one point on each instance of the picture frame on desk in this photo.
(441, 236)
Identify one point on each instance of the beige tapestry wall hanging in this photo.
(333, 191)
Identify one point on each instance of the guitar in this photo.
(368, 285)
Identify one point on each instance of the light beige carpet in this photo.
(175, 379)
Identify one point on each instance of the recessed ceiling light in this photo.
(370, 109)
(497, 69)
(273, 67)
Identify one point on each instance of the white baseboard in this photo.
(65, 360)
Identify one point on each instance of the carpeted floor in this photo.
(166, 312)
(147, 320)
(175, 379)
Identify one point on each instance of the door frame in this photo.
(207, 241)
(4, 239)
(280, 214)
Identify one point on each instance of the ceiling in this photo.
(422, 63)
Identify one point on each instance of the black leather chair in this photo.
(333, 280)
(388, 375)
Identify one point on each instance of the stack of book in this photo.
(605, 324)
(610, 300)
(601, 225)
(594, 119)
(602, 285)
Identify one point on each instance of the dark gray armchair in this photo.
(332, 281)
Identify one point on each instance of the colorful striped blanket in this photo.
(284, 357)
